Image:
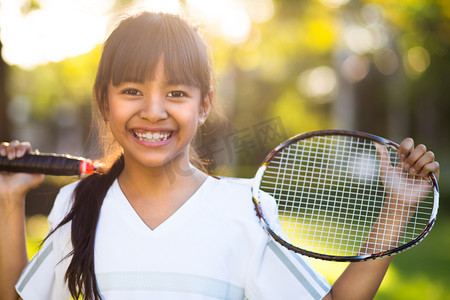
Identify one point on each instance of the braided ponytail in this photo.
(87, 201)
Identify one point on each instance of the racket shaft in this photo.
(48, 164)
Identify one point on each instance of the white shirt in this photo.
(213, 247)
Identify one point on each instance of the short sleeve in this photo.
(279, 273)
(62, 205)
(37, 279)
(283, 274)
(43, 277)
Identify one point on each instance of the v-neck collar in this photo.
(182, 214)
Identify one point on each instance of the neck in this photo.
(172, 180)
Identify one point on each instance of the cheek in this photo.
(190, 117)
(120, 111)
(113, 117)
(118, 117)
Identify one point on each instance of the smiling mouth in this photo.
(149, 136)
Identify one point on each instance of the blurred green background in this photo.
(283, 67)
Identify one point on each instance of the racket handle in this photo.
(48, 164)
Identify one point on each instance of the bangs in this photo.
(136, 57)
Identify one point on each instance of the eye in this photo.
(176, 94)
(131, 92)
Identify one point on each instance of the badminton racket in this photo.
(344, 196)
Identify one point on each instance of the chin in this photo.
(153, 161)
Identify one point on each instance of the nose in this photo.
(153, 109)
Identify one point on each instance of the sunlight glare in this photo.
(59, 29)
(366, 31)
(355, 68)
(166, 6)
(227, 18)
(416, 61)
(386, 61)
(318, 83)
(260, 10)
(334, 3)
(358, 39)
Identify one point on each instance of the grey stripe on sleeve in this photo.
(311, 272)
(38, 259)
(295, 272)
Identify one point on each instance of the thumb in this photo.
(36, 180)
(383, 153)
(385, 162)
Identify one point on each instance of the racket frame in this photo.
(259, 211)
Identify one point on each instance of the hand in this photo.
(417, 160)
(14, 186)
(406, 185)
(410, 177)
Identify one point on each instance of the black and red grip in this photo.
(48, 164)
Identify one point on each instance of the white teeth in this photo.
(152, 137)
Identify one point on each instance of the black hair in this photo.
(131, 53)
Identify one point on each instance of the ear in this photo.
(205, 107)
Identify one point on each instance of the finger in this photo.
(11, 149)
(385, 161)
(414, 156)
(426, 158)
(15, 149)
(23, 148)
(3, 147)
(384, 154)
(405, 148)
(432, 167)
(37, 179)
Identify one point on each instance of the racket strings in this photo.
(330, 195)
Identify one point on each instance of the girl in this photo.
(154, 226)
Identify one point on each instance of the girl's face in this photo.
(155, 121)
